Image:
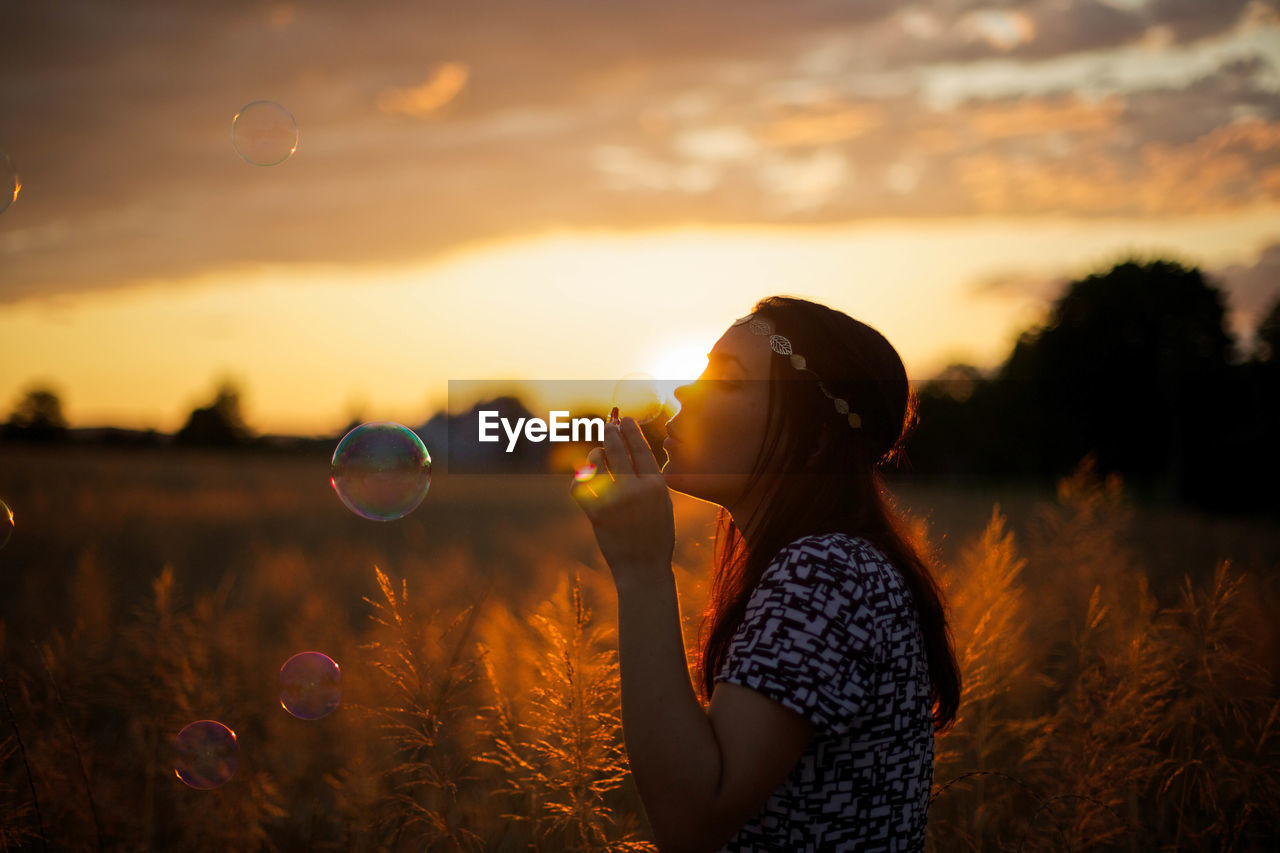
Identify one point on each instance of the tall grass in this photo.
(481, 697)
(1135, 728)
(560, 749)
(424, 722)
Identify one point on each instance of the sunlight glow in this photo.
(678, 364)
(566, 306)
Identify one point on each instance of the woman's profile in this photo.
(826, 657)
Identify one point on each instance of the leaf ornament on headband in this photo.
(782, 346)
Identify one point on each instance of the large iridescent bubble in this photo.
(310, 685)
(381, 471)
(205, 754)
(637, 395)
(264, 133)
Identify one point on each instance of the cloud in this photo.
(1002, 29)
(719, 144)
(802, 183)
(1252, 288)
(1193, 19)
(1230, 167)
(421, 132)
(430, 97)
(835, 123)
(1037, 116)
(1018, 286)
(629, 169)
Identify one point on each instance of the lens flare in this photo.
(10, 183)
(264, 133)
(584, 472)
(6, 523)
(310, 685)
(205, 755)
(381, 471)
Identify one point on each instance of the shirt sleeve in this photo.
(807, 639)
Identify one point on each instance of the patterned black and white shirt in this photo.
(832, 633)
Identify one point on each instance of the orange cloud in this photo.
(1003, 29)
(844, 123)
(424, 100)
(1035, 116)
(1220, 170)
(1216, 171)
(1270, 181)
(979, 123)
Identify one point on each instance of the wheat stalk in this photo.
(575, 756)
(424, 713)
(16, 835)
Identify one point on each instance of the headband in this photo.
(782, 346)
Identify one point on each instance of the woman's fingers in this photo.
(641, 454)
(587, 492)
(625, 455)
(596, 457)
(615, 449)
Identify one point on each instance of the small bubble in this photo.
(310, 685)
(264, 133)
(205, 755)
(10, 183)
(637, 395)
(584, 472)
(381, 471)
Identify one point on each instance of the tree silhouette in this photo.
(949, 438)
(219, 424)
(1136, 366)
(1252, 435)
(1267, 336)
(1132, 365)
(37, 417)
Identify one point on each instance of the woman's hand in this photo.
(629, 506)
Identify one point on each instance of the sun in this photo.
(675, 364)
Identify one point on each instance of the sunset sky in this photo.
(580, 189)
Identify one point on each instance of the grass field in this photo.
(1120, 662)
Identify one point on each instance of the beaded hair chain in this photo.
(782, 346)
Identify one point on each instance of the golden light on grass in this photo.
(485, 709)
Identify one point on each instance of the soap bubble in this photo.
(310, 685)
(637, 395)
(10, 183)
(381, 471)
(264, 133)
(6, 523)
(584, 472)
(205, 754)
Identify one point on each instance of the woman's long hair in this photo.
(832, 484)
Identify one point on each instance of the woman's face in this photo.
(714, 439)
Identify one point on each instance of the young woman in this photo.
(829, 662)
